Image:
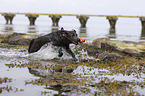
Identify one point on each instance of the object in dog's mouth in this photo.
(82, 40)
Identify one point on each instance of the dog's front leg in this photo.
(60, 52)
(68, 50)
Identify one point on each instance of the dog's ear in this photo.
(62, 29)
(74, 30)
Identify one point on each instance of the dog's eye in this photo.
(74, 34)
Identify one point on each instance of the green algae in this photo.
(134, 46)
(126, 66)
(4, 80)
(8, 88)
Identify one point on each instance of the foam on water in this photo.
(12, 53)
(48, 52)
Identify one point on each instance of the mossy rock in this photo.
(107, 57)
(97, 42)
(134, 46)
(17, 39)
(126, 47)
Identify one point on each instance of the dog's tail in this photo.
(30, 45)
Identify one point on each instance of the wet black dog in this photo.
(61, 38)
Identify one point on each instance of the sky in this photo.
(99, 7)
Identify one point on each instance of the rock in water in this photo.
(136, 49)
(107, 57)
(18, 39)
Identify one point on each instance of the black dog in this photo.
(61, 38)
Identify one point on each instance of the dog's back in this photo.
(37, 43)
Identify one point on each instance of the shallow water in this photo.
(97, 27)
(26, 70)
(85, 78)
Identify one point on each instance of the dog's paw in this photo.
(60, 54)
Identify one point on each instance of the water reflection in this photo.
(112, 33)
(143, 34)
(54, 28)
(56, 77)
(32, 29)
(8, 28)
(84, 78)
(83, 32)
(74, 79)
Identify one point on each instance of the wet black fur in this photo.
(57, 39)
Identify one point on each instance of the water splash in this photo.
(48, 51)
(12, 53)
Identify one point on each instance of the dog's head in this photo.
(70, 36)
